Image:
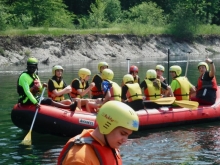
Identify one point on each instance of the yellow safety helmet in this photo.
(107, 74)
(102, 64)
(160, 67)
(177, 69)
(128, 78)
(84, 72)
(56, 67)
(32, 61)
(114, 114)
(205, 64)
(151, 73)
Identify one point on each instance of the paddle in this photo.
(27, 139)
(163, 101)
(187, 104)
(187, 64)
(168, 66)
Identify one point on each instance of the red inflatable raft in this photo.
(62, 122)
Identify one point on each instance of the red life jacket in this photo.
(82, 86)
(95, 91)
(105, 155)
(206, 84)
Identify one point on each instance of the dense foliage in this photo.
(179, 17)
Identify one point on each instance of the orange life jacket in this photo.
(105, 155)
(74, 93)
(95, 91)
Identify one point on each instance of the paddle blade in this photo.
(164, 100)
(187, 104)
(27, 139)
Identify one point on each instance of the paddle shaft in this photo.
(128, 64)
(187, 64)
(168, 66)
(32, 124)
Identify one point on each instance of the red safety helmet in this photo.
(133, 68)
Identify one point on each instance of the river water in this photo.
(192, 144)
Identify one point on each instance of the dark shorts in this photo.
(136, 104)
(45, 101)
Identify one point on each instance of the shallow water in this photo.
(193, 144)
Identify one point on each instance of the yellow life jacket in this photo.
(115, 91)
(182, 93)
(151, 92)
(136, 79)
(58, 87)
(134, 92)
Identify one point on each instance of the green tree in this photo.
(112, 10)
(51, 13)
(3, 16)
(147, 13)
(97, 16)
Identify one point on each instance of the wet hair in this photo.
(156, 83)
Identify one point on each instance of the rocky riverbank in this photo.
(15, 50)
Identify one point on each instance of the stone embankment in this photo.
(15, 50)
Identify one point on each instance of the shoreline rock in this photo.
(15, 50)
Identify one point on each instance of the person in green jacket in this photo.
(29, 86)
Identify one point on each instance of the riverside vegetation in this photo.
(134, 28)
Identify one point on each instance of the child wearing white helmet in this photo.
(57, 87)
(116, 121)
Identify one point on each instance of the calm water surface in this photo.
(194, 144)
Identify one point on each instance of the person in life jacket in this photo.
(100, 146)
(97, 79)
(29, 86)
(207, 85)
(134, 72)
(111, 91)
(57, 87)
(160, 70)
(80, 87)
(131, 93)
(180, 85)
(152, 86)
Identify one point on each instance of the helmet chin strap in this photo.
(106, 141)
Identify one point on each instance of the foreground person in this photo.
(29, 86)
(100, 145)
(207, 85)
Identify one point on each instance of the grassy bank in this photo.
(132, 28)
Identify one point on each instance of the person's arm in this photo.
(86, 90)
(212, 67)
(123, 93)
(55, 92)
(168, 89)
